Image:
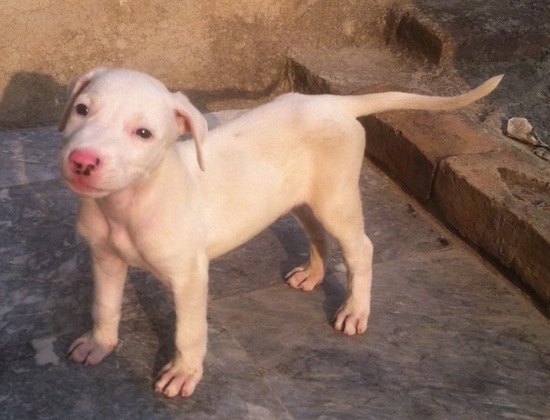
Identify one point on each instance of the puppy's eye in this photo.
(81, 109)
(144, 133)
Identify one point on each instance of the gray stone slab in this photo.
(437, 345)
(121, 386)
(28, 156)
(447, 337)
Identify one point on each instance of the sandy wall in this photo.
(218, 51)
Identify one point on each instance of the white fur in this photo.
(148, 203)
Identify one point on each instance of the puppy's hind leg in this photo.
(341, 215)
(309, 275)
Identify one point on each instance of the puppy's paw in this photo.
(304, 278)
(88, 350)
(352, 317)
(178, 378)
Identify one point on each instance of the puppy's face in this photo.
(116, 130)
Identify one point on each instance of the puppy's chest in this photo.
(126, 246)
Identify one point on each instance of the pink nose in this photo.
(84, 162)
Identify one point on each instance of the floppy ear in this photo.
(76, 86)
(191, 120)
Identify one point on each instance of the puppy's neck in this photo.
(144, 198)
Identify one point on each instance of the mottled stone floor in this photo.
(448, 337)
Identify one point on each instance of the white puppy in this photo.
(146, 202)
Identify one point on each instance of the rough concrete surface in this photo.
(492, 37)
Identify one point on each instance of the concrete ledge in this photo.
(501, 202)
(411, 144)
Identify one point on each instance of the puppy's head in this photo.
(117, 127)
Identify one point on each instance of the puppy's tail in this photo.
(389, 101)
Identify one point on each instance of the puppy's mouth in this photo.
(82, 188)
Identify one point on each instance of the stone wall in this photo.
(218, 51)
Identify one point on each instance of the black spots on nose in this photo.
(86, 170)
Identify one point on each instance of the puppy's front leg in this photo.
(109, 277)
(182, 374)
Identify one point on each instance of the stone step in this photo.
(500, 201)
